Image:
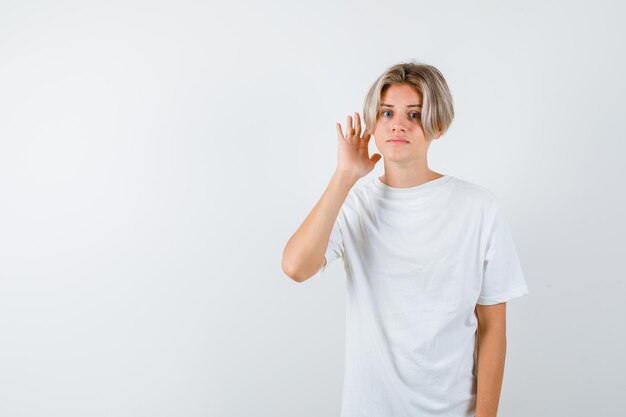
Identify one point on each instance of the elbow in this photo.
(300, 268)
(290, 271)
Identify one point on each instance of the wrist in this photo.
(345, 177)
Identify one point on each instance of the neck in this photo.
(404, 178)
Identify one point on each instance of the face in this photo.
(399, 116)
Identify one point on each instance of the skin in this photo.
(491, 357)
(405, 165)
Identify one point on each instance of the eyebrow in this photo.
(391, 105)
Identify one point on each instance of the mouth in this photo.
(397, 140)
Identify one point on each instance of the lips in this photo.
(398, 140)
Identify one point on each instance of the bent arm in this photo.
(303, 255)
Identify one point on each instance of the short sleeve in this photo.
(503, 278)
(334, 249)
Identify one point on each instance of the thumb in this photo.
(376, 157)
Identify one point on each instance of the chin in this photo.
(400, 158)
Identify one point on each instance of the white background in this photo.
(155, 157)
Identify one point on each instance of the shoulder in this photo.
(362, 190)
(475, 193)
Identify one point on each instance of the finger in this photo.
(339, 132)
(366, 139)
(357, 117)
(349, 129)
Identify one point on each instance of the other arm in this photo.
(491, 357)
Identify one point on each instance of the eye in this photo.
(414, 115)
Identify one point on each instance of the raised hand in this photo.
(353, 154)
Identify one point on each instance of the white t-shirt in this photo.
(417, 261)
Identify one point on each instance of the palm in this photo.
(353, 154)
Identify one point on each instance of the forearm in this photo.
(305, 249)
(491, 357)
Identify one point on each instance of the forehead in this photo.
(400, 95)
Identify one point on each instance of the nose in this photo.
(397, 126)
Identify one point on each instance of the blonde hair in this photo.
(437, 104)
